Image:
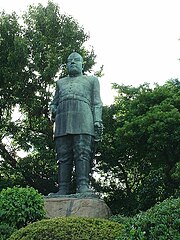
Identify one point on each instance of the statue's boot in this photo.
(82, 158)
(64, 179)
(82, 176)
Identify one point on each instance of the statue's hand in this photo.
(53, 112)
(98, 129)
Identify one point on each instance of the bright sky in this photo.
(137, 41)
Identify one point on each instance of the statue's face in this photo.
(75, 64)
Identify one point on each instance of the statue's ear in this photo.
(67, 67)
(83, 64)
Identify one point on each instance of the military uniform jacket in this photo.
(77, 104)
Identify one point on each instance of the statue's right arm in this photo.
(54, 103)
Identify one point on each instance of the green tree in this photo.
(139, 157)
(34, 49)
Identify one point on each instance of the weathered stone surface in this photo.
(92, 207)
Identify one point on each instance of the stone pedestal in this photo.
(84, 207)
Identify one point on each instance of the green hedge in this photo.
(6, 231)
(68, 228)
(20, 206)
(161, 222)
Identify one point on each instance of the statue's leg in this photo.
(65, 160)
(82, 155)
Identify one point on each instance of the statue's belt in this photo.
(74, 97)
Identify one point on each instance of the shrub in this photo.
(160, 222)
(68, 228)
(6, 231)
(20, 206)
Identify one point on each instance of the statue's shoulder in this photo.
(91, 78)
(60, 80)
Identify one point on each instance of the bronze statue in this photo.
(77, 110)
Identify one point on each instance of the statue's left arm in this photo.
(97, 110)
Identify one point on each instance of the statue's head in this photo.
(75, 64)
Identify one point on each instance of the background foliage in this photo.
(139, 156)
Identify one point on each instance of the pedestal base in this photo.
(92, 207)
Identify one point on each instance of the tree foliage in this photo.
(34, 49)
(139, 157)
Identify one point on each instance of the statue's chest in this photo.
(75, 85)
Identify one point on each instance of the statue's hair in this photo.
(75, 53)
